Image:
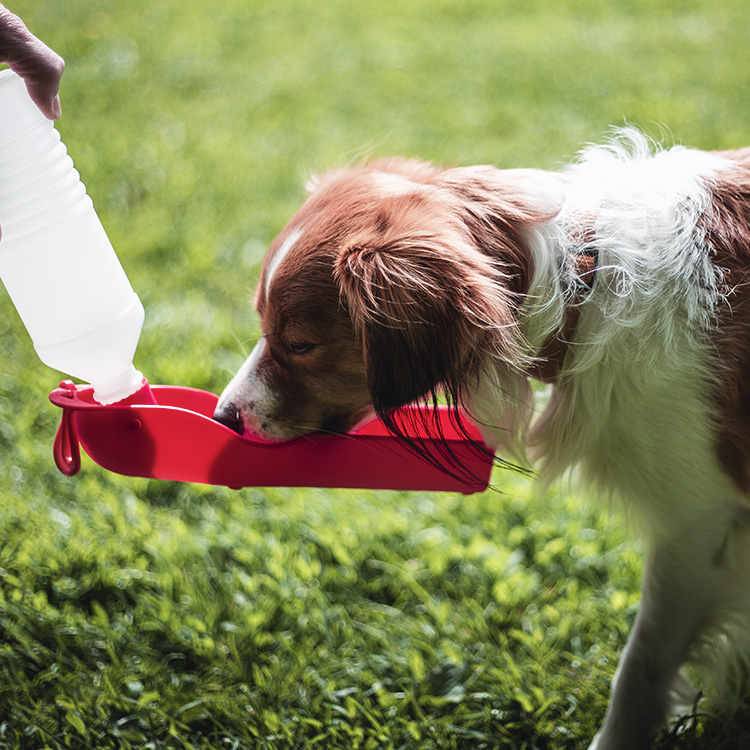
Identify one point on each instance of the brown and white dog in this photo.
(623, 280)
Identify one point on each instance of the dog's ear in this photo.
(496, 205)
(429, 308)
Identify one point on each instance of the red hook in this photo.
(66, 449)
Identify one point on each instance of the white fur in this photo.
(630, 406)
(250, 390)
(390, 185)
(247, 388)
(278, 257)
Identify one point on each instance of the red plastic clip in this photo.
(66, 449)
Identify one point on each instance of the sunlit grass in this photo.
(142, 614)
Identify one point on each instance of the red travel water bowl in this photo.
(174, 437)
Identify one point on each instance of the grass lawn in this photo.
(142, 614)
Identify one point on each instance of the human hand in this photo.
(39, 66)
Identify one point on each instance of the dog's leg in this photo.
(686, 578)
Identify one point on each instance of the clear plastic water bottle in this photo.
(56, 261)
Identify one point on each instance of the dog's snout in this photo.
(230, 416)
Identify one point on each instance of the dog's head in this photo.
(395, 281)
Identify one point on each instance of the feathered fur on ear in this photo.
(429, 307)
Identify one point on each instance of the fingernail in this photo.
(56, 108)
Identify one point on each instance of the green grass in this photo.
(141, 614)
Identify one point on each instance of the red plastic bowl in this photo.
(174, 437)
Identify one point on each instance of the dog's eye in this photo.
(301, 347)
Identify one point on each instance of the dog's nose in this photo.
(230, 416)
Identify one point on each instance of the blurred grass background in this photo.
(142, 614)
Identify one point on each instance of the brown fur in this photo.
(727, 227)
(409, 256)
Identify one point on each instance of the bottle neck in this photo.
(125, 386)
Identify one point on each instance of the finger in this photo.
(42, 74)
(34, 61)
